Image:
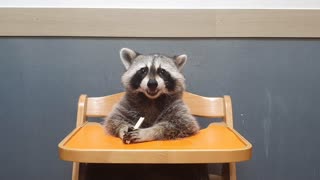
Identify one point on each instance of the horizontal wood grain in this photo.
(117, 22)
(102, 106)
(211, 107)
(167, 4)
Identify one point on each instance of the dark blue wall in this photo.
(274, 84)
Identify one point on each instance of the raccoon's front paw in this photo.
(137, 135)
(125, 130)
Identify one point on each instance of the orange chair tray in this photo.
(216, 143)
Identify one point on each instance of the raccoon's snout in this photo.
(152, 84)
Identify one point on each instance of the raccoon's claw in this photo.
(138, 135)
(124, 131)
(130, 136)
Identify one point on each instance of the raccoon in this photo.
(154, 86)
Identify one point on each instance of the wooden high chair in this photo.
(218, 143)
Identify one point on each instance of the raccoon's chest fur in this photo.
(151, 114)
(150, 109)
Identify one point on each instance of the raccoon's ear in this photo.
(127, 56)
(180, 61)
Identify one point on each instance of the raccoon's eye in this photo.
(143, 70)
(162, 71)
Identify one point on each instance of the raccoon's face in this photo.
(153, 74)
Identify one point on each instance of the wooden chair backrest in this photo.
(211, 107)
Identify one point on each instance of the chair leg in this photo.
(75, 171)
(229, 171)
(232, 171)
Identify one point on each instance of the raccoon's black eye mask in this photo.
(143, 70)
(163, 73)
(168, 79)
(138, 77)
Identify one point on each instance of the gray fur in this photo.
(166, 115)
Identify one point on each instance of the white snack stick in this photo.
(138, 124)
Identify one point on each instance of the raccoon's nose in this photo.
(152, 84)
